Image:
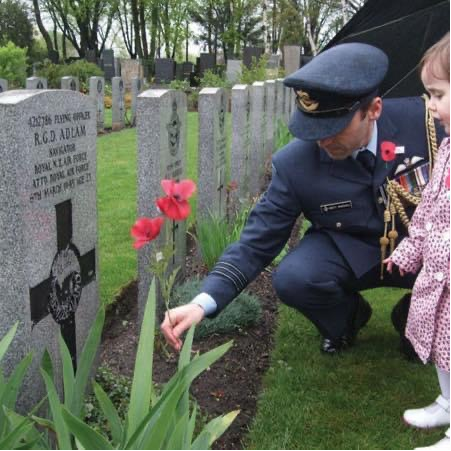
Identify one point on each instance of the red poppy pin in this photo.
(388, 150)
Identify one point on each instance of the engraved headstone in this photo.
(212, 194)
(273, 62)
(251, 54)
(187, 68)
(48, 225)
(291, 58)
(118, 104)
(164, 70)
(257, 136)
(270, 109)
(137, 85)
(108, 64)
(97, 92)
(161, 131)
(117, 67)
(233, 71)
(207, 62)
(3, 85)
(36, 83)
(70, 83)
(241, 141)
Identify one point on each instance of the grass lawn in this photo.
(309, 401)
(352, 401)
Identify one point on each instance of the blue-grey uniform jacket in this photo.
(305, 180)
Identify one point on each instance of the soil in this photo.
(233, 382)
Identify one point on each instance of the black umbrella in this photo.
(404, 29)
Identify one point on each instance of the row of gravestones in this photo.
(97, 91)
(48, 215)
(166, 69)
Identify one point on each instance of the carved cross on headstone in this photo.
(220, 189)
(60, 293)
(173, 128)
(99, 101)
(73, 85)
(121, 98)
(40, 85)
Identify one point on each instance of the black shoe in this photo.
(361, 316)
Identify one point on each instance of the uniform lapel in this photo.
(386, 131)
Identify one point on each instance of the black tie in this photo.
(367, 159)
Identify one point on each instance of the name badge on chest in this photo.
(343, 205)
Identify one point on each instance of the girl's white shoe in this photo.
(435, 415)
(441, 444)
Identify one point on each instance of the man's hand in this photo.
(389, 262)
(179, 319)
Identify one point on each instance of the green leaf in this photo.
(184, 359)
(7, 339)
(32, 437)
(46, 363)
(88, 437)
(176, 436)
(190, 428)
(161, 417)
(15, 381)
(18, 433)
(110, 413)
(86, 361)
(68, 372)
(142, 377)
(10, 388)
(213, 430)
(62, 433)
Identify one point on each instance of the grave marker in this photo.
(97, 92)
(270, 86)
(280, 100)
(3, 85)
(36, 83)
(118, 104)
(257, 136)
(108, 64)
(70, 83)
(291, 58)
(164, 70)
(233, 72)
(136, 89)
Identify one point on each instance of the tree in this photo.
(230, 24)
(86, 24)
(15, 24)
(309, 23)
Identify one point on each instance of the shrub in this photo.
(213, 80)
(257, 71)
(13, 64)
(213, 235)
(81, 69)
(244, 311)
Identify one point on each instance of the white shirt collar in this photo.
(372, 145)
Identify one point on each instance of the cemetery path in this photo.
(233, 382)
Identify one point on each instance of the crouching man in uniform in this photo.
(332, 173)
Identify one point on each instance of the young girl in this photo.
(428, 246)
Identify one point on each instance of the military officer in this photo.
(332, 173)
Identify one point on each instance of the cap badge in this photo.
(306, 102)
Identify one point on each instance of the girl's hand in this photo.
(389, 262)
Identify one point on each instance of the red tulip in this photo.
(145, 230)
(388, 150)
(175, 205)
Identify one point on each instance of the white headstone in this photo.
(97, 92)
(71, 83)
(233, 71)
(48, 225)
(3, 85)
(257, 136)
(118, 104)
(36, 83)
(161, 131)
(240, 149)
(212, 194)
